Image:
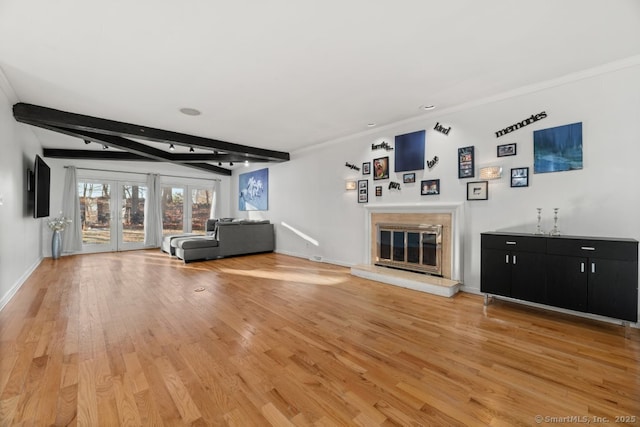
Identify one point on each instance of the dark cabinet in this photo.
(513, 266)
(566, 282)
(592, 275)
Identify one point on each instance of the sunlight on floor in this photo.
(287, 276)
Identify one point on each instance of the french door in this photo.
(112, 214)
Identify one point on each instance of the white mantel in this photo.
(457, 220)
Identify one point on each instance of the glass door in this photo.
(131, 222)
(112, 215)
(96, 212)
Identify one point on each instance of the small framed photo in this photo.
(363, 191)
(466, 162)
(507, 150)
(478, 190)
(408, 178)
(366, 168)
(520, 177)
(430, 187)
(381, 168)
(378, 190)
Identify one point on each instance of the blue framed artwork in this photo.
(557, 149)
(409, 151)
(254, 190)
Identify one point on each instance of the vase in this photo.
(56, 244)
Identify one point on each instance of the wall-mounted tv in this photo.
(41, 188)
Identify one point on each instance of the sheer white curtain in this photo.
(153, 212)
(215, 200)
(72, 236)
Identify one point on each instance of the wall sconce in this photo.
(491, 172)
(350, 185)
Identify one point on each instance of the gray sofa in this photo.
(169, 242)
(229, 238)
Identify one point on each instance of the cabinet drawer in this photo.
(604, 249)
(513, 242)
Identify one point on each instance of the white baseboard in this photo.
(315, 258)
(14, 289)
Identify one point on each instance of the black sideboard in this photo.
(588, 274)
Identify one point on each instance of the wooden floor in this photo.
(137, 338)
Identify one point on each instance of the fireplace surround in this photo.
(449, 215)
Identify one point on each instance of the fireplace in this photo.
(413, 247)
(428, 235)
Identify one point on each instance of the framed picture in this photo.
(363, 191)
(381, 168)
(378, 190)
(520, 177)
(366, 168)
(557, 149)
(466, 162)
(430, 187)
(478, 190)
(409, 151)
(254, 190)
(409, 177)
(507, 150)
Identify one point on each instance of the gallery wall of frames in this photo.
(555, 149)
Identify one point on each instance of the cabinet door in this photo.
(567, 282)
(528, 278)
(612, 288)
(495, 276)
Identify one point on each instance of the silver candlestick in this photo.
(538, 227)
(555, 231)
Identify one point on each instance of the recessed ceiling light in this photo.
(190, 111)
(427, 107)
(370, 125)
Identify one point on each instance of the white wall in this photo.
(602, 199)
(20, 242)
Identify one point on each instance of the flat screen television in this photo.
(41, 188)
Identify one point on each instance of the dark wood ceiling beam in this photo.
(133, 147)
(38, 115)
(126, 156)
(93, 155)
(225, 158)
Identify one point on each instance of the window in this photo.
(200, 209)
(182, 214)
(173, 210)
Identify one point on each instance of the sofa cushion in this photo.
(198, 242)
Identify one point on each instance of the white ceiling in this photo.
(286, 74)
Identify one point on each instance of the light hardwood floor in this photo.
(137, 338)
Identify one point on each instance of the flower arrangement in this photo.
(59, 223)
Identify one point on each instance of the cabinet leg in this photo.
(626, 325)
(488, 299)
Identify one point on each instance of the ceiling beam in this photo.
(92, 155)
(133, 147)
(39, 116)
(125, 155)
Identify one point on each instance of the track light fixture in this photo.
(86, 141)
(191, 150)
(219, 163)
(171, 147)
(230, 163)
(105, 147)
